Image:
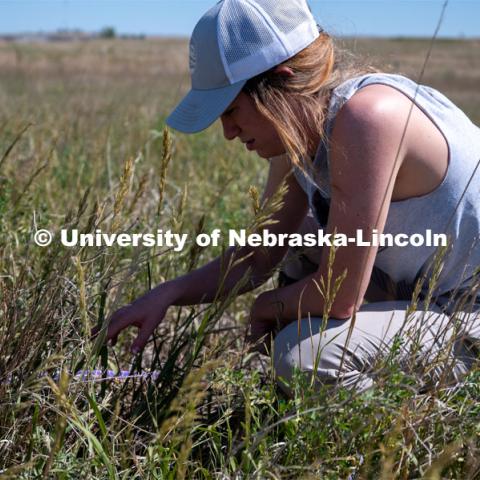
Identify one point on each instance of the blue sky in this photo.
(178, 17)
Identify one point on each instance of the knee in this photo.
(318, 354)
(301, 348)
(284, 361)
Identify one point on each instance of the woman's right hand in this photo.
(145, 313)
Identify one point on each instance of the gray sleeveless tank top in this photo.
(452, 208)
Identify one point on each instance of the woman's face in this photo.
(242, 119)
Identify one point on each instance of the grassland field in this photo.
(82, 145)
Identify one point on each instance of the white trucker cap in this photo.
(232, 43)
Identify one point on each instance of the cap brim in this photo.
(200, 108)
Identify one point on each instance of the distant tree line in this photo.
(107, 32)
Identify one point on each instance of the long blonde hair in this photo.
(297, 105)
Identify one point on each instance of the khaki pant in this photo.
(440, 341)
(443, 348)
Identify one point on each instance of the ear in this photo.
(283, 70)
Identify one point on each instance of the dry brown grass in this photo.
(453, 68)
(153, 73)
(97, 106)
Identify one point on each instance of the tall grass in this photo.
(83, 146)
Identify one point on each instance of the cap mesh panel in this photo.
(285, 15)
(242, 34)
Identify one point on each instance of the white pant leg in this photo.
(319, 353)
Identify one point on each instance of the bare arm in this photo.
(365, 141)
(202, 285)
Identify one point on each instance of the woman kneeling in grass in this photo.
(361, 150)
